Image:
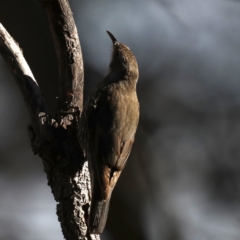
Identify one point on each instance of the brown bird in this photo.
(107, 130)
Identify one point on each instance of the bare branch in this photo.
(67, 45)
(13, 56)
(72, 208)
(56, 141)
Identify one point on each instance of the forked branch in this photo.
(55, 140)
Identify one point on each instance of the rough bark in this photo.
(55, 139)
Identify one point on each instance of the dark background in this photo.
(182, 181)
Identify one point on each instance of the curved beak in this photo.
(114, 40)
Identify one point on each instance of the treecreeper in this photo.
(107, 129)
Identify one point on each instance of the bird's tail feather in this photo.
(98, 215)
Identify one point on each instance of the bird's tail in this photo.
(98, 215)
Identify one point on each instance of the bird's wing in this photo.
(119, 152)
(106, 151)
(111, 154)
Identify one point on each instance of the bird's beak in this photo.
(114, 40)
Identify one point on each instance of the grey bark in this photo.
(55, 139)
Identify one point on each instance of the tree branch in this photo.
(68, 49)
(23, 75)
(56, 140)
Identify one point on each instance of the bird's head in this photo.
(123, 61)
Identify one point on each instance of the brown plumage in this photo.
(107, 130)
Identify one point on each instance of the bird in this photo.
(108, 125)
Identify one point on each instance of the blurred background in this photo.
(182, 181)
